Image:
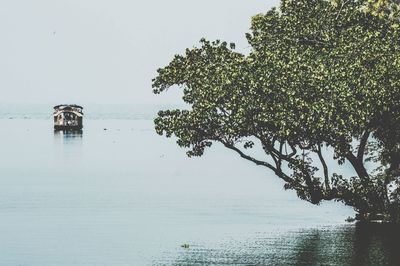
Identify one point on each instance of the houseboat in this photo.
(68, 117)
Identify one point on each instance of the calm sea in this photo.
(118, 194)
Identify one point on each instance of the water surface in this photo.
(118, 194)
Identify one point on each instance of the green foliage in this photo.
(383, 8)
(320, 74)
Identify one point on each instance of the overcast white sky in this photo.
(107, 51)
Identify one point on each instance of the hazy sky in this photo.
(107, 51)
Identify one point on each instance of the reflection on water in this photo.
(361, 244)
(68, 145)
(68, 135)
(376, 245)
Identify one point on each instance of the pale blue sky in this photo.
(98, 51)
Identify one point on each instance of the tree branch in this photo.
(325, 167)
(276, 170)
(363, 144)
(341, 8)
(273, 155)
(358, 166)
(269, 148)
(294, 150)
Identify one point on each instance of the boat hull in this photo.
(62, 127)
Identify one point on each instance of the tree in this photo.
(381, 7)
(321, 75)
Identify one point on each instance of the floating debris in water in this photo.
(185, 246)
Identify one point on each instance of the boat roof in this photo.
(68, 111)
(67, 105)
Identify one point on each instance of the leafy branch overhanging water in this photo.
(320, 74)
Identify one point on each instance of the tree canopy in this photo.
(320, 75)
